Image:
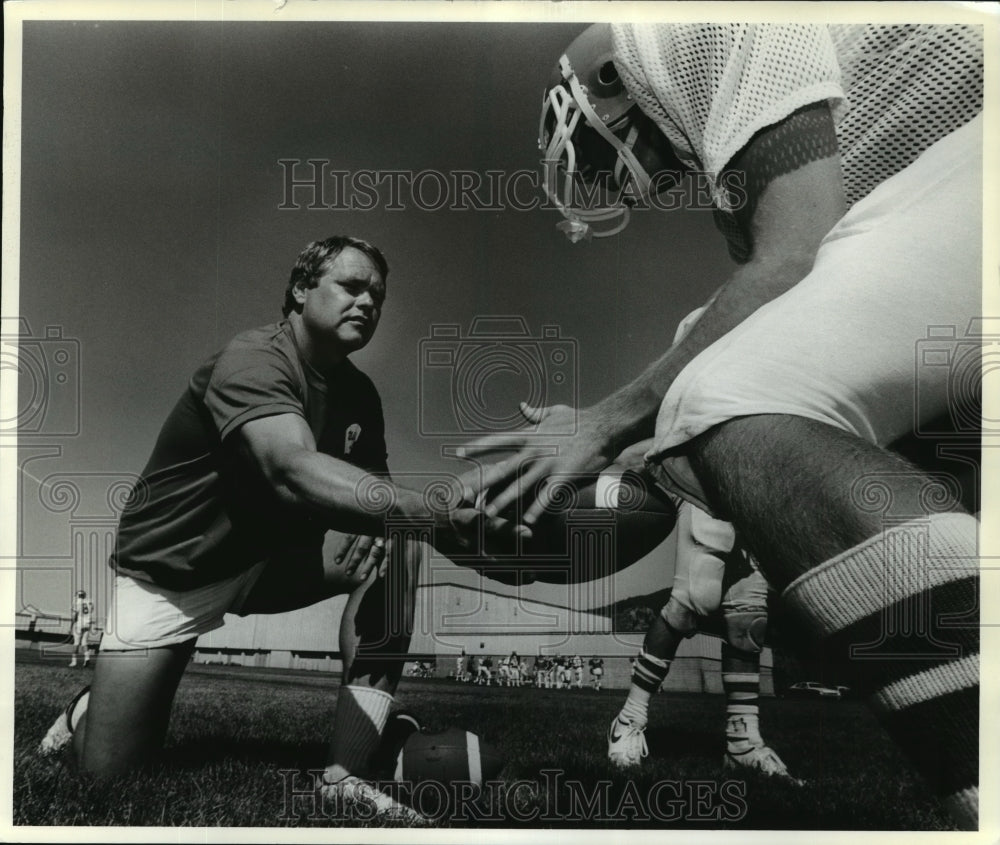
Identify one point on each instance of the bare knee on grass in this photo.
(801, 492)
(129, 709)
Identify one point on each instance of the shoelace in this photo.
(629, 730)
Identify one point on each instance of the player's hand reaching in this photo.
(468, 532)
(546, 453)
(360, 555)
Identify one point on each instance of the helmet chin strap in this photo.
(567, 111)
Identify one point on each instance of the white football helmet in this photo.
(589, 119)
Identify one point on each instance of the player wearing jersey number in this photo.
(80, 625)
(846, 167)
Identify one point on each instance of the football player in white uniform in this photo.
(564, 672)
(710, 572)
(596, 671)
(484, 670)
(845, 168)
(503, 672)
(514, 670)
(541, 671)
(80, 626)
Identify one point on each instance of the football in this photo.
(447, 757)
(596, 526)
(409, 754)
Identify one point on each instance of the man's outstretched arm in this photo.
(283, 448)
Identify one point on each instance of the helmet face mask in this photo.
(587, 131)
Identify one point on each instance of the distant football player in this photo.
(577, 664)
(471, 669)
(514, 669)
(558, 670)
(550, 671)
(80, 625)
(460, 665)
(540, 671)
(273, 444)
(484, 670)
(596, 671)
(845, 169)
(503, 672)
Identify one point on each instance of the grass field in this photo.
(235, 731)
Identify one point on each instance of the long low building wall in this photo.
(451, 618)
(696, 667)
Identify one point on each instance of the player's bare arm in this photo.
(791, 202)
(791, 214)
(283, 448)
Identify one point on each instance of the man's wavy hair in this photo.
(312, 261)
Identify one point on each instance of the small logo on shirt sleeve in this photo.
(351, 437)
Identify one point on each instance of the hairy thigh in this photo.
(799, 491)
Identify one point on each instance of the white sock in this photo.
(742, 690)
(743, 732)
(648, 673)
(357, 728)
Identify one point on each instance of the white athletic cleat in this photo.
(356, 798)
(626, 743)
(762, 759)
(60, 735)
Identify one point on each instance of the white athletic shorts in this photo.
(146, 616)
(700, 568)
(872, 339)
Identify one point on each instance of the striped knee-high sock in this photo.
(741, 683)
(647, 675)
(901, 611)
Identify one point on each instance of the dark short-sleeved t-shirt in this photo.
(201, 513)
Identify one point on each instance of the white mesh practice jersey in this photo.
(894, 89)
